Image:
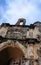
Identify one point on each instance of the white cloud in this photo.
(22, 8)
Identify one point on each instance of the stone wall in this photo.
(26, 37)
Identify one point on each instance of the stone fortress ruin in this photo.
(20, 44)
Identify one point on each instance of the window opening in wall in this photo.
(21, 23)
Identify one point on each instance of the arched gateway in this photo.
(20, 44)
(10, 53)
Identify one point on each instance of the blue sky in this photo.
(12, 10)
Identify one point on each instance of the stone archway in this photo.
(10, 53)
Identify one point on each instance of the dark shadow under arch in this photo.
(10, 52)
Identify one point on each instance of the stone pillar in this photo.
(39, 56)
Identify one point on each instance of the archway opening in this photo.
(9, 53)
